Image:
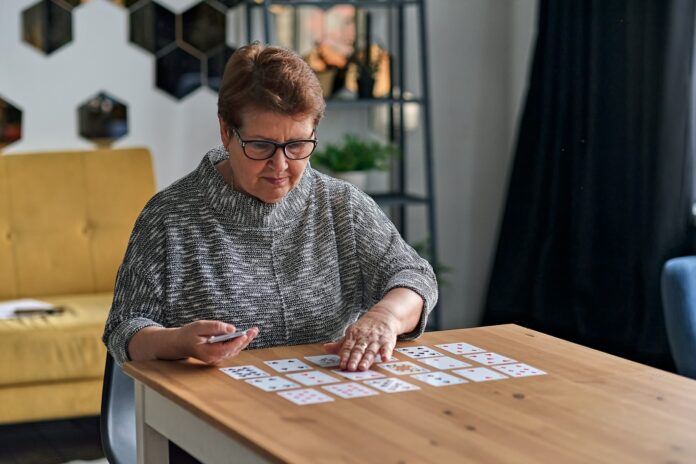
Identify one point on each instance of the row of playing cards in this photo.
(299, 373)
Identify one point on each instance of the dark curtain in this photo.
(600, 190)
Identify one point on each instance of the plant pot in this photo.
(357, 178)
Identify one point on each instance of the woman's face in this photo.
(267, 180)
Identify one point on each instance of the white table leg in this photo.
(153, 447)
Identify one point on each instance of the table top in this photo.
(590, 407)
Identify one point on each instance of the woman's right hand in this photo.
(190, 340)
(193, 338)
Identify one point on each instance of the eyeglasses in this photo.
(265, 149)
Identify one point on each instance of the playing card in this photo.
(288, 365)
(244, 372)
(460, 348)
(444, 362)
(403, 367)
(480, 374)
(312, 378)
(272, 383)
(305, 396)
(350, 390)
(391, 385)
(438, 379)
(378, 359)
(359, 375)
(418, 352)
(489, 359)
(519, 370)
(325, 360)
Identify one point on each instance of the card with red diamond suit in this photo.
(312, 378)
(305, 396)
(490, 359)
(288, 365)
(444, 363)
(519, 370)
(480, 374)
(391, 385)
(418, 352)
(438, 379)
(350, 390)
(460, 348)
(403, 368)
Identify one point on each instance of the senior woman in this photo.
(255, 239)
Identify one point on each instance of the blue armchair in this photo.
(679, 303)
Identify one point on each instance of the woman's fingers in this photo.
(369, 356)
(346, 351)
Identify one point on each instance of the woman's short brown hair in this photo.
(268, 78)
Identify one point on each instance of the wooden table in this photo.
(591, 407)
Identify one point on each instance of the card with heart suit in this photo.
(325, 360)
(312, 378)
(288, 365)
(418, 352)
(358, 375)
(244, 372)
(305, 396)
(272, 383)
(444, 363)
(350, 390)
(391, 385)
(519, 370)
(438, 379)
(489, 359)
(403, 367)
(460, 348)
(480, 374)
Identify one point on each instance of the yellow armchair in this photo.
(65, 219)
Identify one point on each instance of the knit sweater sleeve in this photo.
(139, 293)
(388, 262)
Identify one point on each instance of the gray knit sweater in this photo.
(302, 270)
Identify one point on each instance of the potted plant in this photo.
(353, 158)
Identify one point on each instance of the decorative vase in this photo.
(357, 178)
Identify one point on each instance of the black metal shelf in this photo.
(329, 3)
(397, 199)
(362, 102)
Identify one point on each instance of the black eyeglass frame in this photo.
(242, 143)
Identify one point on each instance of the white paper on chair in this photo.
(8, 309)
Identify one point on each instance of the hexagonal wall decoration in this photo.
(216, 65)
(103, 119)
(230, 3)
(47, 25)
(10, 123)
(203, 26)
(152, 26)
(178, 72)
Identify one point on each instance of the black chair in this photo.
(117, 421)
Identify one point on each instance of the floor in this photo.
(51, 442)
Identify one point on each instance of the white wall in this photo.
(479, 51)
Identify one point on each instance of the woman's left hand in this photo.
(374, 333)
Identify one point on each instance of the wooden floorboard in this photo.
(50, 442)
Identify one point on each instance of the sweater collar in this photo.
(243, 209)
